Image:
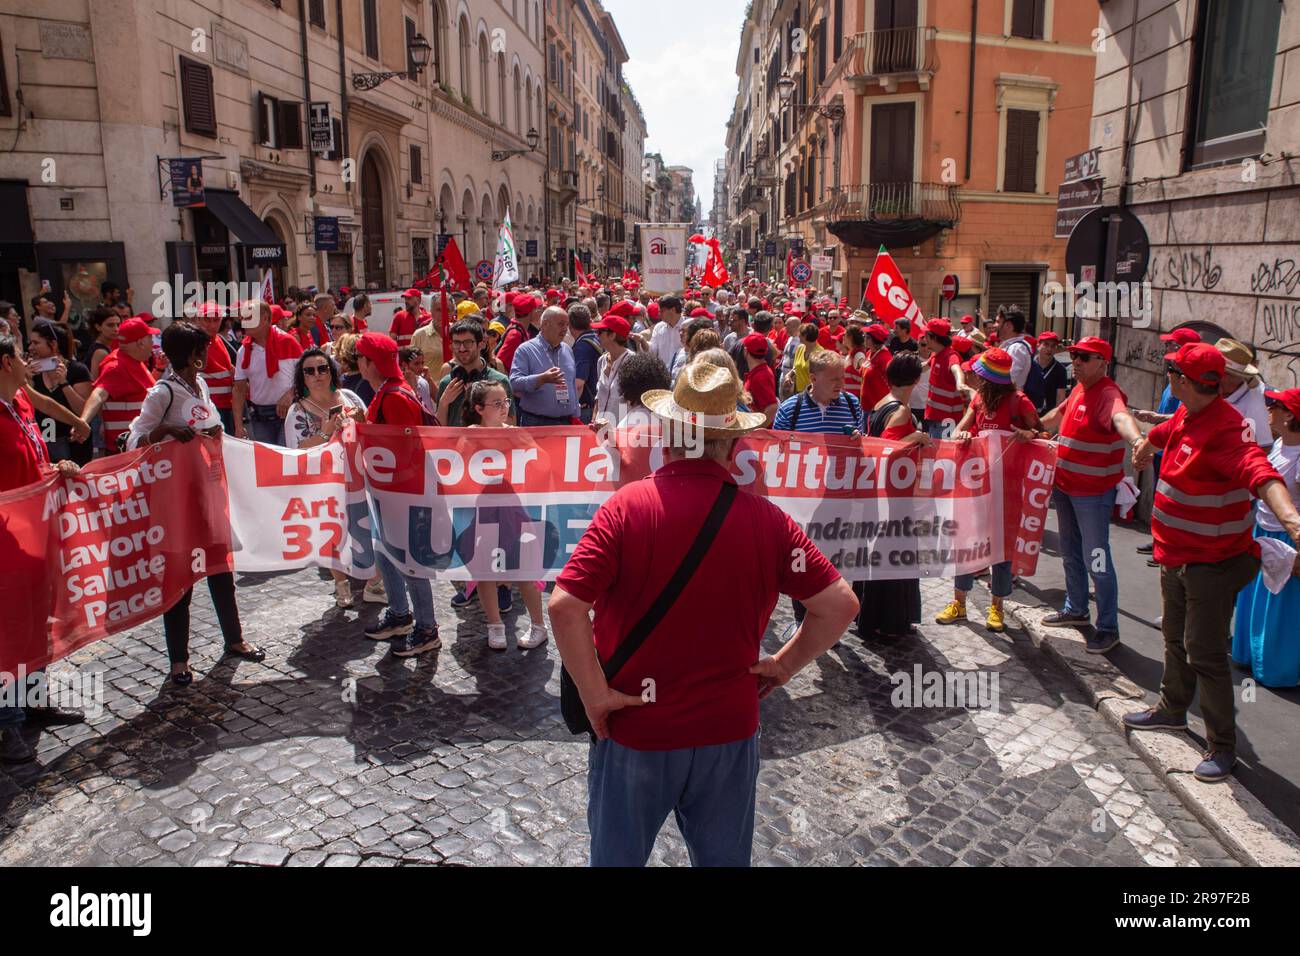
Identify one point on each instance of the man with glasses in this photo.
(1094, 427)
(467, 368)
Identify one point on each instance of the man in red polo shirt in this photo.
(677, 726)
(521, 328)
(760, 380)
(1095, 427)
(407, 320)
(1203, 526)
(23, 461)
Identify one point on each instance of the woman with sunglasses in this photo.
(320, 408)
(340, 325)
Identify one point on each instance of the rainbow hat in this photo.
(994, 365)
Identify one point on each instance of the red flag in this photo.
(789, 266)
(578, 271)
(888, 291)
(715, 272)
(454, 265)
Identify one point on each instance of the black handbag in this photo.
(571, 708)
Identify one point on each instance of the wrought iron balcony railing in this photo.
(880, 202)
(886, 56)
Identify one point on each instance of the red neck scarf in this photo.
(279, 345)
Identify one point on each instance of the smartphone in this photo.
(45, 285)
(336, 410)
(44, 365)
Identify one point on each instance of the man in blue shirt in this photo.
(543, 373)
(586, 353)
(824, 406)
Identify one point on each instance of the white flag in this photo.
(506, 269)
(268, 287)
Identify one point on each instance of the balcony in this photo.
(892, 214)
(566, 183)
(889, 57)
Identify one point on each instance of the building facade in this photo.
(634, 194)
(234, 87)
(906, 125)
(1209, 90)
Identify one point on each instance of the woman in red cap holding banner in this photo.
(945, 401)
(1094, 427)
(997, 406)
(1265, 637)
(124, 379)
(1204, 543)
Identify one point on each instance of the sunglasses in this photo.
(315, 370)
(1083, 356)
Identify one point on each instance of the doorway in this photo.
(374, 248)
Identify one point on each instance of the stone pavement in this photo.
(336, 753)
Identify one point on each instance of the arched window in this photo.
(501, 85)
(464, 59)
(484, 101)
(518, 106)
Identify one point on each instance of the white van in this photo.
(383, 306)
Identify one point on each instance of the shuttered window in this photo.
(316, 13)
(289, 120)
(1014, 288)
(197, 99)
(1027, 18)
(5, 108)
(370, 15)
(1022, 152)
(839, 29)
(417, 165)
(410, 59)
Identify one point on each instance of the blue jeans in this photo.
(264, 425)
(710, 791)
(227, 420)
(398, 586)
(1084, 525)
(1001, 580)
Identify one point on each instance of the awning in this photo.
(893, 234)
(17, 243)
(258, 243)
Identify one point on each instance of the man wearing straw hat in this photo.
(1242, 389)
(674, 713)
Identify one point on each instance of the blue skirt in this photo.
(1266, 630)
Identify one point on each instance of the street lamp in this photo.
(533, 138)
(785, 89)
(417, 51)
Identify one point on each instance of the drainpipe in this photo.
(306, 91)
(343, 91)
(970, 86)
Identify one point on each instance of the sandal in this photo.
(182, 680)
(256, 654)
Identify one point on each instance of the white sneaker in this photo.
(497, 637)
(374, 592)
(536, 637)
(343, 594)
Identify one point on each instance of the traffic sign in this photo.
(801, 272)
(951, 286)
(1074, 201)
(1085, 165)
(483, 270)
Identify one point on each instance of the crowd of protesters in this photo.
(746, 356)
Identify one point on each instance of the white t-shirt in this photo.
(170, 402)
(1286, 459)
(302, 423)
(263, 390)
(1250, 403)
(609, 397)
(1021, 356)
(665, 340)
(921, 394)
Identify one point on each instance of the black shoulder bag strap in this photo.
(575, 715)
(798, 407)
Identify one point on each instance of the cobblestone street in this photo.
(462, 758)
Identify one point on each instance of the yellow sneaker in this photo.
(954, 612)
(995, 621)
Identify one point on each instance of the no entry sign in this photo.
(483, 270)
(951, 286)
(801, 272)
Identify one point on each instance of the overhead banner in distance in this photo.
(663, 256)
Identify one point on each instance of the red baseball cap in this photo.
(653, 309)
(1181, 337)
(755, 344)
(553, 294)
(968, 320)
(1201, 363)
(1094, 345)
(615, 323)
(962, 345)
(1048, 337)
(134, 329)
(939, 327)
(622, 310)
(411, 294)
(1290, 399)
(700, 313)
(877, 332)
(381, 350)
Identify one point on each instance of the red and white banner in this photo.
(512, 504)
(86, 557)
(888, 292)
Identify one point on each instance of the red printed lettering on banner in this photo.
(279, 467)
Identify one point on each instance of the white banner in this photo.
(663, 256)
(506, 268)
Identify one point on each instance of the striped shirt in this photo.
(830, 419)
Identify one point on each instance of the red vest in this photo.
(1202, 512)
(219, 373)
(944, 401)
(1089, 460)
(853, 376)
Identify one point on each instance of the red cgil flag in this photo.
(888, 292)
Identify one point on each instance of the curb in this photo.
(1246, 828)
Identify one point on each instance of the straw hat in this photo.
(1237, 357)
(705, 396)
